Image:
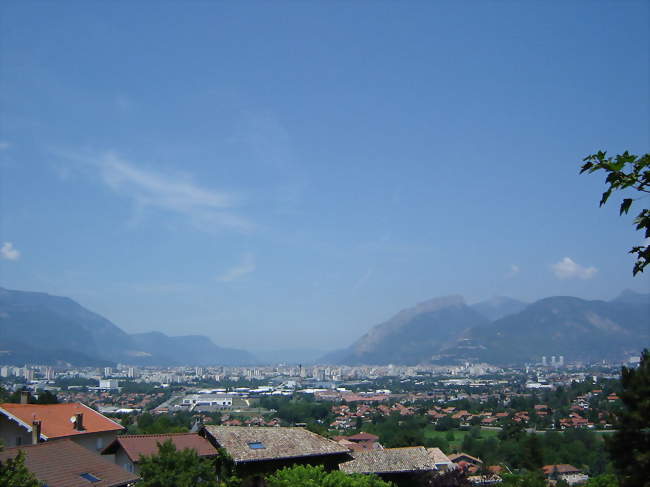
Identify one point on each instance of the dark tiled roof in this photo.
(459, 457)
(137, 445)
(390, 460)
(251, 443)
(61, 463)
(363, 437)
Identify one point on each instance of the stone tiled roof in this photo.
(62, 463)
(252, 444)
(136, 446)
(438, 456)
(390, 460)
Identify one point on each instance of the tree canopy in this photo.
(626, 171)
(310, 476)
(629, 447)
(14, 473)
(173, 468)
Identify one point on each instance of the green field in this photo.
(431, 433)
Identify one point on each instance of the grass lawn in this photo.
(431, 433)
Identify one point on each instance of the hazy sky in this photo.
(284, 174)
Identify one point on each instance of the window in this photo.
(100, 443)
(128, 466)
(19, 440)
(89, 477)
(256, 445)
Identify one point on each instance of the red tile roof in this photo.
(55, 418)
(136, 446)
(61, 464)
(559, 468)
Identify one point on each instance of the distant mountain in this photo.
(414, 335)
(40, 328)
(573, 327)
(632, 297)
(190, 350)
(498, 307)
(447, 331)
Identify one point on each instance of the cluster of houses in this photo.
(347, 418)
(111, 400)
(575, 419)
(72, 445)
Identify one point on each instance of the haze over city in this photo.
(288, 175)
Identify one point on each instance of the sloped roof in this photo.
(438, 456)
(458, 457)
(363, 437)
(390, 460)
(55, 418)
(559, 468)
(61, 463)
(136, 446)
(256, 443)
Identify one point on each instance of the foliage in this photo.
(225, 467)
(310, 476)
(297, 410)
(451, 478)
(395, 430)
(45, 397)
(629, 447)
(147, 424)
(173, 468)
(530, 479)
(447, 423)
(626, 171)
(14, 473)
(66, 382)
(607, 480)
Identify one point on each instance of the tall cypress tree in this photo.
(629, 447)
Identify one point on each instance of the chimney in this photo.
(79, 421)
(24, 397)
(36, 432)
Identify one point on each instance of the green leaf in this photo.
(625, 206)
(605, 197)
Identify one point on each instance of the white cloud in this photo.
(206, 208)
(568, 269)
(247, 266)
(514, 270)
(4, 145)
(8, 252)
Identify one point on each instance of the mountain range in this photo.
(40, 328)
(505, 331)
(44, 329)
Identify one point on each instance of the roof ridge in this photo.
(150, 435)
(32, 445)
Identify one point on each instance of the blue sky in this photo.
(280, 175)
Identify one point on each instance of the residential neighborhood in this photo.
(398, 427)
